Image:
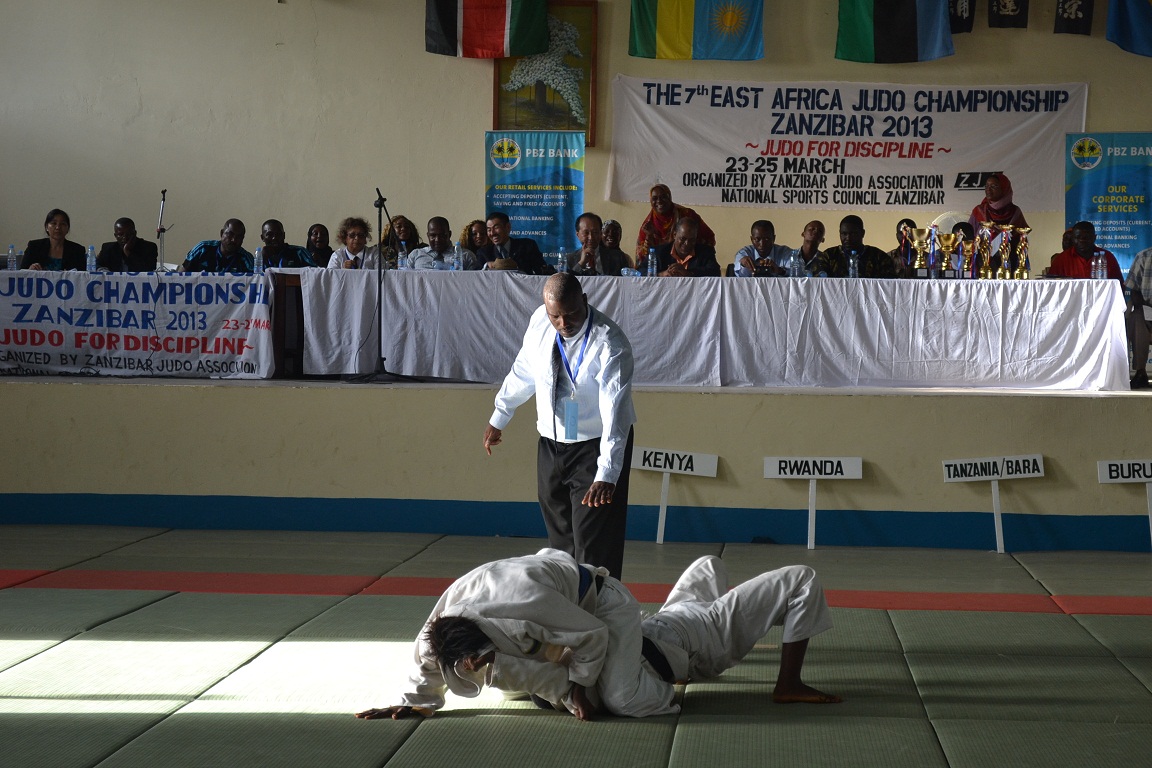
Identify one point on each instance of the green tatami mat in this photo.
(72, 733)
(871, 684)
(307, 566)
(1127, 586)
(377, 550)
(198, 616)
(201, 736)
(856, 629)
(113, 534)
(1041, 688)
(531, 738)
(68, 610)
(968, 632)
(1141, 667)
(984, 743)
(359, 538)
(370, 617)
(326, 676)
(126, 669)
(796, 742)
(1123, 635)
(18, 645)
(1087, 565)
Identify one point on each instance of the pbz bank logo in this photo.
(1087, 153)
(505, 154)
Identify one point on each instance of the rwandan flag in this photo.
(697, 29)
(486, 29)
(1130, 25)
(893, 31)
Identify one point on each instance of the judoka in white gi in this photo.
(573, 636)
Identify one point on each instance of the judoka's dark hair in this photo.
(451, 638)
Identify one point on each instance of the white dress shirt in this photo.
(603, 387)
(367, 257)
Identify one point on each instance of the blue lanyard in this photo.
(583, 349)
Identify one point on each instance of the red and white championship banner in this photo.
(859, 146)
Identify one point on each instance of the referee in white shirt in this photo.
(578, 363)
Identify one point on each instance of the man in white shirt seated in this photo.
(440, 251)
(763, 258)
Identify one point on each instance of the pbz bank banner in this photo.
(537, 178)
(200, 326)
(858, 146)
(1109, 181)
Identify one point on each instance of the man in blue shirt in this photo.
(223, 255)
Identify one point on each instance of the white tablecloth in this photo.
(1049, 334)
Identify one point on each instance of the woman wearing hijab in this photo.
(661, 222)
(998, 208)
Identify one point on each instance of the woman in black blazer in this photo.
(54, 252)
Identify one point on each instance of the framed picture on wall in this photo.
(554, 90)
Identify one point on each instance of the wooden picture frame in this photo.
(532, 93)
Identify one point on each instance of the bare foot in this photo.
(803, 694)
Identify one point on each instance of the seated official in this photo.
(612, 234)
(223, 255)
(659, 226)
(354, 234)
(1140, 284)
(475, 236)
(903, 255)
(522, 250)
(1077, 260)
(440, 251)
(318, 245)
(872, 261)
(593, 257)
(810, 241)
(685, 256)
(763, 258)
(400, 235)
(127, 253)
(55, 252)
(278, 254)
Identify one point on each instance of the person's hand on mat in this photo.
(395, 713)
(599, 494)
(584, 709)
(492, 437)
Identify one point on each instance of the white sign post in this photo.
(671, 462)
(813, 468)
(1128, 471)
(994, 469)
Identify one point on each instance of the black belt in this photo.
(586, 580)
(657, 659)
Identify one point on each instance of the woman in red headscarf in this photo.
(998, 208)
(661, 222)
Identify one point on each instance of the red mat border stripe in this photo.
(301, 584)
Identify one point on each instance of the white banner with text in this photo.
(839, 145)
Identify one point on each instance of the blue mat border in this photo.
(856, 528)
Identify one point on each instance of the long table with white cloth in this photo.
(710, 332)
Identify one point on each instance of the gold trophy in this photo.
(1005, 252)
(1022, 263)
(985, 236)
(948, 242)
(968, 248)
(920, 241)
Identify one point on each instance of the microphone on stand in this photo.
(160, 231)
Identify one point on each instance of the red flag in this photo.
(486, 29)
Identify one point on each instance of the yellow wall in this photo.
(297, 110)
(335, 440)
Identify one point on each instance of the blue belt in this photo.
(586, 579)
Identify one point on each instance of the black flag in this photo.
(1008, 13)
(1074, 17)
(960, 15)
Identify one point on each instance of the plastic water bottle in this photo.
(1099, 266)
(796, 265)
(90, 265)
(457, 258)
(651, 262)
(561, 262)
(402, 257)
(258, 262)
(853, 264)
(13, 265)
